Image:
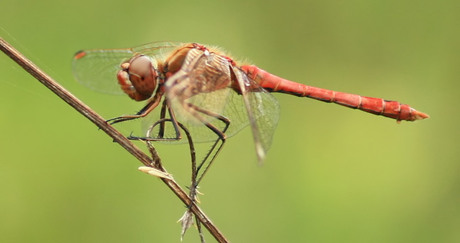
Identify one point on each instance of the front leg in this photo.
(152, 104)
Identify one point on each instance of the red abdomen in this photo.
(377, 106)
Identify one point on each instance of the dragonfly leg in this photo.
(164, 107)
(199, 113)
(162, 123)
(221, 137)
(187, 218)
(151, 104)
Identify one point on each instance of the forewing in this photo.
(156, 50)
(97, 69)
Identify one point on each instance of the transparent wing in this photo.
(97, 69)
(262, 111)
(225, 102)
(156, 49)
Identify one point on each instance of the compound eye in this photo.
(142, 75)
(140, 67)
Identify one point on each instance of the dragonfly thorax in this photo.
(138, 77)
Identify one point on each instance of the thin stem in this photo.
(95, 118)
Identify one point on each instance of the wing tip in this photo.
(260, 154)
(79, 54)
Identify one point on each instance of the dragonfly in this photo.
(202, 85)
(203, 92)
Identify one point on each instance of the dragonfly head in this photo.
(138, 77)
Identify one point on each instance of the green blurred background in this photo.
(332, 174)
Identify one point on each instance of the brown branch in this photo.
(78, 105)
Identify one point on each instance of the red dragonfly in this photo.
(206, 94)
(207, 91)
